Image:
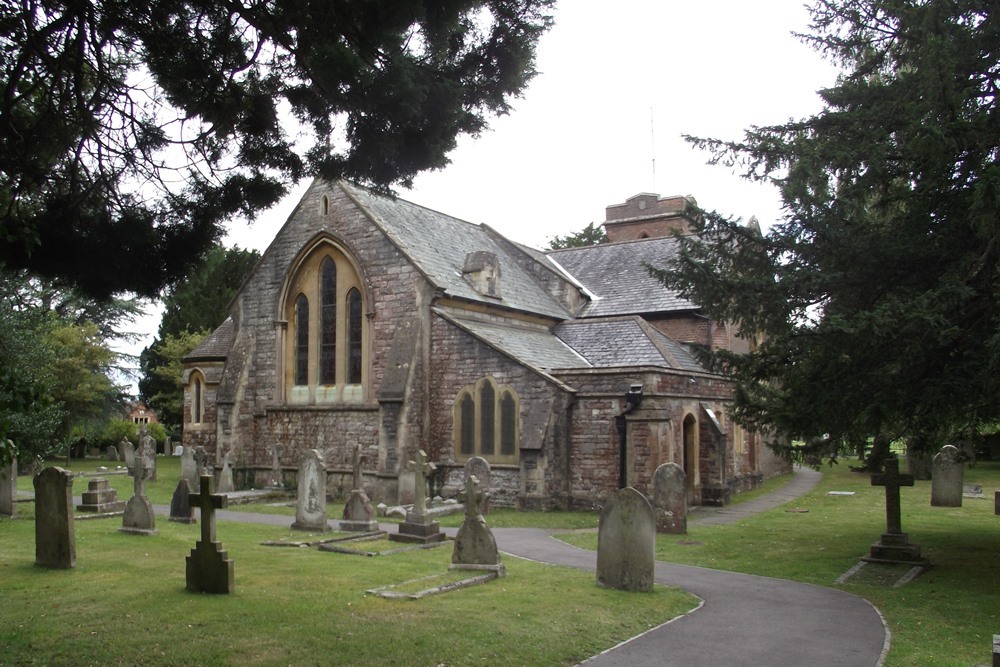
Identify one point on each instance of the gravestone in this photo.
(55, 541)
(139, 518)
(358, 513)
(112, 453)
(147, 452)
(894, 546)
(310, 506)
(178, 450)
(128, 454)
(100, 497)
(208, 568)
(8, 489)
(625, 539)
(418, 526)
(670, 499)
(180, 503)
(168, 447)
(225, 484)
(475, 546)
(189, 468)
(947, 476)
(274, 480)
(479, 468)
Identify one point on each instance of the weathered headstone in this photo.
(203, 464)
(139, 518)
(178, 450)
(112, 453)
(180, 503)
(147, 451)
(225, 484)
(55, 541)
(418, 526)
(358, 513)
(274, 479)
(947, 476)
(189, 468)
(168, 447)
(128, 453)
(479, 468)
(8, 489)
(626, 536)
(100, 497)
(894, 546)
(208, 568)
(310, 508)
(670, 499)
(475, 546)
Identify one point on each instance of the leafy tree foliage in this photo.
(589, 235)
(192, 309)
(875, 297)
(129, 130)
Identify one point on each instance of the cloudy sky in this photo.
(618, 85)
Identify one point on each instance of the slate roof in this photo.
(615, 273)
(438, 244)
(625, 341)
(216, 347)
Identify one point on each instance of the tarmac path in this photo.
(743, 621)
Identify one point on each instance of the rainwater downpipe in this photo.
(632, 399)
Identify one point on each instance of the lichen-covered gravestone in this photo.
(475, 546)
(139, 518)
(479, 468)
(208, 568)
(8, 488)
(947, 477)
(310, 508)
(55, 541)
(625, 539)
(670, 499)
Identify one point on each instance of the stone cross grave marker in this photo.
(310, 506)
(147, 452)
(947, 477)
(139, 518)
(894, 546)
(8, 488)
(670, 499)
(475, 547)
(479, 467)
(357, 481)
(208, 568)
(418, 526)
(626, 535)
(225, 475)
(358, 512)
(55, 540)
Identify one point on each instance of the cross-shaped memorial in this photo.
(894, 546)
(208, 569)
(418, 526)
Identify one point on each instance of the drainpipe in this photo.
(708, 326)
(632, 399)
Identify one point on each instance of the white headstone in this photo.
(310, 511)
(947, 475)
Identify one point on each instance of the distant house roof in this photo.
(438, 245)
(616, 274)
(216, 347)
(624, 341)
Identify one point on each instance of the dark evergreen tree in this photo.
(130, 130)
(589, 235)
(876, 298)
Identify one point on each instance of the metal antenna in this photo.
(652, 145)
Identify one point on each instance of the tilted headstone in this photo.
(418, 526)
(112, 453)
(479, 468)
(8, 488)
(475, 546)
(626, 536)
(894, 545)
(55, 541)
(180, 503)
(100, 497)
(225, 484)
(139, 518)
(147, 451)
(189, 468)
(310, 506)
(358, 513)
(128, 454)
(208, 568)
(670, 499)
(947, 476)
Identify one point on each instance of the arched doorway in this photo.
(691, 457)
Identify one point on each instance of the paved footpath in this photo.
(743, 621)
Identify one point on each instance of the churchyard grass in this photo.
(944, 618)
(125, 604)
(168, 471)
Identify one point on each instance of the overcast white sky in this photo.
(618, 85)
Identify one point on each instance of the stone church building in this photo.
(376, 321)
